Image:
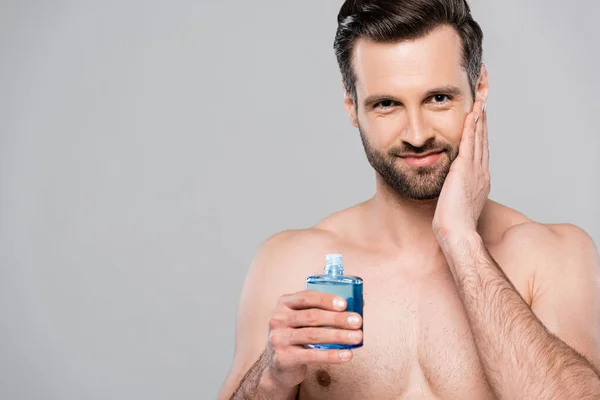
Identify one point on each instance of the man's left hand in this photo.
(467, 185)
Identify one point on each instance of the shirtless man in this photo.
(464, 297)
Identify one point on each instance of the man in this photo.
(464, 298)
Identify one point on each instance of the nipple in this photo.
(323, 378)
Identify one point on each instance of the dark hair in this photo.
(390, 21)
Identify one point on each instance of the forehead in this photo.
(411, 65)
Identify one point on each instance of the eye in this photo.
(385, 104)
(441, 98)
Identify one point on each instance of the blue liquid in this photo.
(348, 287)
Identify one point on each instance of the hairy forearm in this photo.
(521, 358)
(258, 384)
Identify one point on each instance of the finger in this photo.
(304, 336)
(478, 155)
(317, 317)
(314, 356)
(467, 141)
(313, 299)
(485, 158)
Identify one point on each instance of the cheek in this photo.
(383, 131)
(449, 125)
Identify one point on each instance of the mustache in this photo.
(429, 146)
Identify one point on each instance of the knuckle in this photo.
(295, 319)
(273, 322)
(277, 320)
(276, 359)
(281, 301)
(273, 338)
(276, 339)
(283, 359)
(302, 299)
(311, 335)
(311, 317)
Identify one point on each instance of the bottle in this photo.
(334, 281)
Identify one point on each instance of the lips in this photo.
(422, 160)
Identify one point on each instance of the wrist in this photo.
(268, 384)
(461, 247)
(457, 239)
(461, 250)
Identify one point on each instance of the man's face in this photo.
(412, 100)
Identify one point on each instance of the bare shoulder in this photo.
(287, 257)
(553, 251)
(290, 255)
(534, 255)
(510, 231)
(292, 245)
(537, 240)
(288, 244)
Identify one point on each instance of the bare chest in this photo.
(417, 345)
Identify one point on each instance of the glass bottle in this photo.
(334, 281)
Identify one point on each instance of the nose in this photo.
(417, 132)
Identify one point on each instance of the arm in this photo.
(281, 325)
(257, 384)
(246, 379)
(521, 357)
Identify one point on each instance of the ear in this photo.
(350, 107)
(482, 87)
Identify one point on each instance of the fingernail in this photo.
(353, 320)
(476, 118)
(354, 335)
(339, 303)
(484, 104)
(345, 355)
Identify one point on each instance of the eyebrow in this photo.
(449, 90)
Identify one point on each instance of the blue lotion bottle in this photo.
(334, 281)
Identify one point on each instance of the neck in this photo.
(402, 221)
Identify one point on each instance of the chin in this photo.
(424, 184)
(421, 194)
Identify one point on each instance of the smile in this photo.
(422, 160)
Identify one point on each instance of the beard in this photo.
(415, 183)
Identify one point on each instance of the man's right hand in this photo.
(308, 317)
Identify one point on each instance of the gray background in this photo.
(148, 148)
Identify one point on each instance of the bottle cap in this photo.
(333, 259)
